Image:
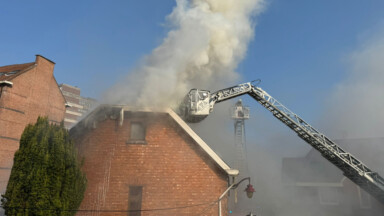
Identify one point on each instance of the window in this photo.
(137, 133)
(134, 200)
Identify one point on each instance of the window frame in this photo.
(137, 140)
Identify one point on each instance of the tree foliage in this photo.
(46, 178)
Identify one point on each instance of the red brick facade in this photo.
(33, 92)
(173, 170)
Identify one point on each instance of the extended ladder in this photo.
(352, 168)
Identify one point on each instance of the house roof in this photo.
(90, 118)
(313, 169)
(9, 72)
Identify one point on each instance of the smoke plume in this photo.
(206, 41)
(356, 106)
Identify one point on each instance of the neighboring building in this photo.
(137, 159)
(77, 106)
(26, 91)
(88, 104)
(315, 187)
(72, 112)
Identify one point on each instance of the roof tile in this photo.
(8, 72)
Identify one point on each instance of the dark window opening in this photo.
(134, 200)
(137, 133)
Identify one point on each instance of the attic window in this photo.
(11, 73)
(137, 133)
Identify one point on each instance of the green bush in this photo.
(46, 177)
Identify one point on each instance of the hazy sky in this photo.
(299, 49)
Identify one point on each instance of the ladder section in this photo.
(352, 168)
(240, 146)
(239, 114)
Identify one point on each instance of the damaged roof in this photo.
(89, 120)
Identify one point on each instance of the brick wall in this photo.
(172, 169)
(34, 93)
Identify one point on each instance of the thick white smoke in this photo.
(356, 106)
(207, 40)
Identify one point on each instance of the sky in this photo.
(313, 56)
(301, 50)
(298, 50)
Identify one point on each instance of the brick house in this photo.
(314, 186)
(26, 91)
(137, 159)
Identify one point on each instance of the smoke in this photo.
(353, 113)
(206, 41)
(355, 108)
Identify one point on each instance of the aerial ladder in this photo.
(239, 114)
(198, 104)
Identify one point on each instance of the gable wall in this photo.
(34, 93)
(171, 168)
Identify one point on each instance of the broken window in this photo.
(134, 200)
(137, 133)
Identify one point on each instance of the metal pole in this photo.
(222, 195)
(219, 207)
(234, 185)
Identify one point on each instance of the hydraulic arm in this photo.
(199, 103)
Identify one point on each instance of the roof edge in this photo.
(212, 154)
(23, 71)
(38, 55)
(202, 144)
(15, 65)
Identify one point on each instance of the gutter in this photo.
(6, 83)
